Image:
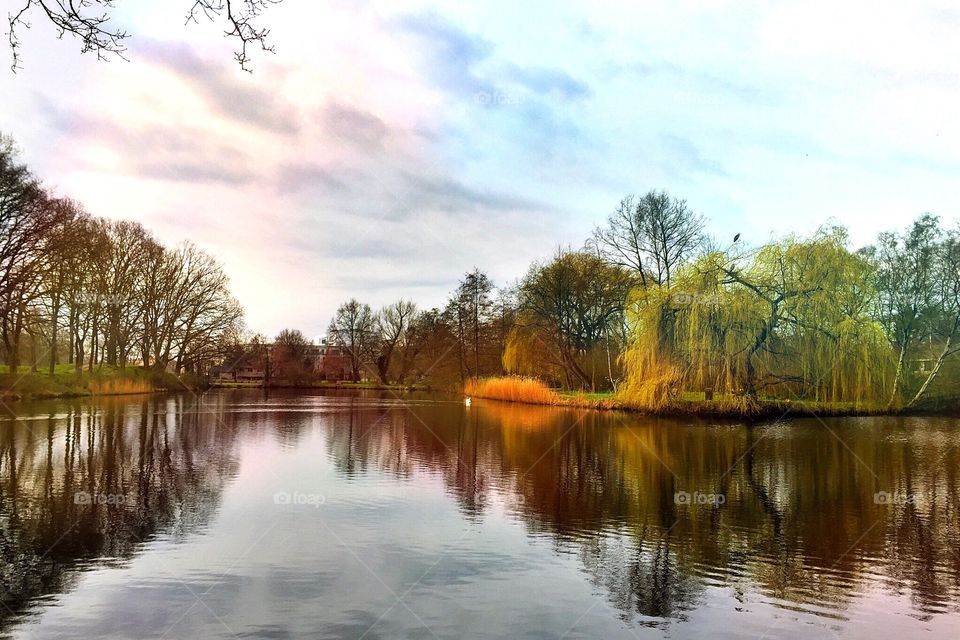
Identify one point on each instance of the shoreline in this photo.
(534, 391)
(73, 390)
(355, 386)
(72, 395)
(692, 409)
(66, 383)
(684, 408)
(699, 409)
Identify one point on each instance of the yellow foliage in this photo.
(512, 389)
(118, 386)
(792, 324)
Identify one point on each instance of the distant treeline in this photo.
(654, 309)
(88, 291)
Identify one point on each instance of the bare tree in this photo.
(653, 236)
(28, 221)
(353, 328)
(393, 324)
(90, 22)
(471, 310)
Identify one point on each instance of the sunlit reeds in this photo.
(512, 389)
(119, 386)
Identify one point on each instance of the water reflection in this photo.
(669, 521)
(85, 483)
(803, 520)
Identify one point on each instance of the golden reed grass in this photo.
(512, 389)
(119, 386)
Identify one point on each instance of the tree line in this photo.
(649, 306)
(653, 307)
(87, 291)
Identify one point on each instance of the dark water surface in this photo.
(237, 515)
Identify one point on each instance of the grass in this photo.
(534, 391)
(104, 380)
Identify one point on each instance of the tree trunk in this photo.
(899, 373)
(55, 315)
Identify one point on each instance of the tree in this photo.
(289, 359)
(110, 284)
(652, 236)
(791, 319)
(944, 321)
(906, 274)
(29, 219)
(66, 247)
(471, 310)
(393, 324)
(89, 21)
(566, 307)
(429, 351)
(353, 328)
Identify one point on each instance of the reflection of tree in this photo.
(156, 466)
(799, 509)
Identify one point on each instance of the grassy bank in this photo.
(65, 382)
(534, 391)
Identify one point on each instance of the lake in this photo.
(240, 513)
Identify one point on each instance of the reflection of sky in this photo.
(388, 147)
(379, 505)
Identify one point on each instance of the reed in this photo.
(119, 386)
(512, 389)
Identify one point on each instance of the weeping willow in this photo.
(787, 322)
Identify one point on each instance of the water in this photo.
(238, 515)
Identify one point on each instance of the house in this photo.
(330, 362)
(222, 373)
(323, 361)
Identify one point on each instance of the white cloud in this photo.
(359, 160)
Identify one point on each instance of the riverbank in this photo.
(65, 382)
(325, 384)
(534, 391)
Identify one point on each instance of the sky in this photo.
(387, 147)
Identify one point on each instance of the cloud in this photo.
(683, 153)
(550, 82)
(449, 195)
(464, 64)
(359, 158)
(227, 91)
(452, 52)
(155, 151)
(698, 80)
(348, 123)
(296, 177)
